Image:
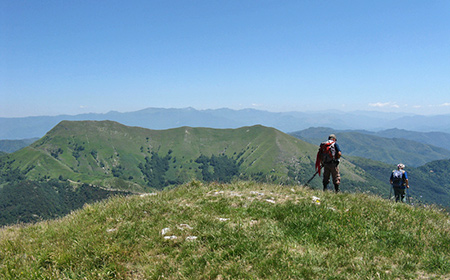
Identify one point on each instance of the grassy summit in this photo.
(241, 230)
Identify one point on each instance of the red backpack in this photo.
(326, 153)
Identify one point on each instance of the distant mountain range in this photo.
(161, 118)
(389, 146)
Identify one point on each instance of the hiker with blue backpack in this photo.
(328, 157)
(399, 182)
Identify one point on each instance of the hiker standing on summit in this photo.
(399, 181)
(328, 157)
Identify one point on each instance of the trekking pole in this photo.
(390, 192)
(313, 176)
(408, 196)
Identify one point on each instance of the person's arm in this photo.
(338, 151)
(406, 179)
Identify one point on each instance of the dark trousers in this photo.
(400, 194)
(331, 169)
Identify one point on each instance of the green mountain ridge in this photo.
(109, 155)
(92, 151)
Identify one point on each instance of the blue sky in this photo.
(72, 57)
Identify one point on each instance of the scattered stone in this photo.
(235, 194)
(184, 226)
(165, 230)
(257, 193)
(191, 238)
(170, 237)
(147, 194)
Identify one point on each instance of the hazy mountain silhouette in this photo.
(161, 118)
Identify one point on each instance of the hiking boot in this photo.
(336, 188)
